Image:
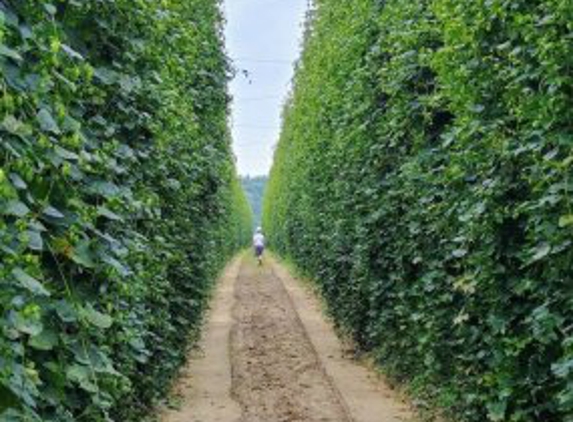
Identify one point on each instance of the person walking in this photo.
(259, 244)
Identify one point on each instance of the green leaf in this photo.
(71, 125)
(35, 241)
(83, 255)
(14, 126)
(46, 340)
(71, 52)
(540, 252)
(117, 265)
(8, 52)
(27, 324)
(18, 182)
(50, 8)
(106, 76)
(82, 375)
(65, 154)
(566, 220)
(16, 208)
(29, 282)
(66, 311)
(92, 356)
(105, 189)
(107, 213)
(47, 122)
(52, 212)
(96, 318)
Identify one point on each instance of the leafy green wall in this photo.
(119, 201)
(423, 178)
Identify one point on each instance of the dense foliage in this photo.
(118, 200)
(254, 188)
(424, 179)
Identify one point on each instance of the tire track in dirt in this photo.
(277, 375)
(366, 396)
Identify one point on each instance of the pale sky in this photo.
(263, 37)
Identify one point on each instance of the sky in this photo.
(263, 38)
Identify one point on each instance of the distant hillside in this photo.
(254, 188)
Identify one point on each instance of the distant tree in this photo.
(255, 188)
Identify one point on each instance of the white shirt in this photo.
(259, 240)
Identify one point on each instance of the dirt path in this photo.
(205, 383)
(268, 355)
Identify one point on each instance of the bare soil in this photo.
(268, 355)
(277, 375)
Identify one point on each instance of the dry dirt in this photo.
(268, 355)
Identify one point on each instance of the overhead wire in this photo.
(255, 127)
(254, 99)
(263, 60)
